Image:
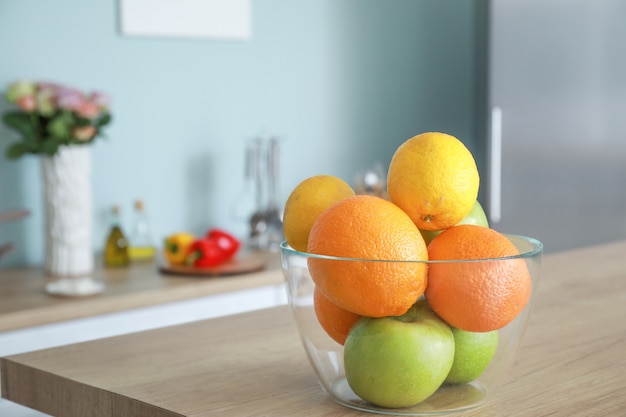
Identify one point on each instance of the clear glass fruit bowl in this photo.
(326, 355)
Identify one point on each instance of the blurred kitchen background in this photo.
(536, 89)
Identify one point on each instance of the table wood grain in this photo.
(571, 362)
(23, 302)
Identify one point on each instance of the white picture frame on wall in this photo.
(199, 19)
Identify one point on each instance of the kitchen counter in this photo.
(23, 302)
(570, 363)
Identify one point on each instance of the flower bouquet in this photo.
(50, 115)
(53, 120)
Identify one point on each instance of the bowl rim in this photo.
(534, 252)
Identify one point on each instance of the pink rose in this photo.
(88, 109)
(27, 103)
(69, 99)
(84, 133)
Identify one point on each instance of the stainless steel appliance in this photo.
(557, 95)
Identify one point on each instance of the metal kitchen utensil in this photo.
(275, 234)
(258, 220)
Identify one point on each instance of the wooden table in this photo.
(571, 362)
(23, 302)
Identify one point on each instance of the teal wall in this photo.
(342, 82)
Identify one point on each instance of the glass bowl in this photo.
(326, 355)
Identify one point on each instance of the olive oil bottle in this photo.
(141, 246)
(116, 247)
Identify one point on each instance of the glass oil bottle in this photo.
(116, 247)
(141, 247)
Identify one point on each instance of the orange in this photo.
(371, 229)
(311, 197)
(476, 296)
(336, 321)
(434, 179)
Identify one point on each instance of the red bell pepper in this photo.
(205, 253)
(227, 242)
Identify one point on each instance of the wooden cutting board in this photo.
(236, 266)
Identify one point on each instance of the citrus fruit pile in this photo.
(415, 286)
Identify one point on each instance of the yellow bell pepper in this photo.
(176, 246)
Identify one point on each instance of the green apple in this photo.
(399, 361)
(473, 353)
(475, 216)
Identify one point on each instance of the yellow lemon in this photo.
(433, 177)
(306, 202)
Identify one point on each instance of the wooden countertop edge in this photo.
(92, 306)
(104, 399)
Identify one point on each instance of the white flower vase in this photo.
(67, 190)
